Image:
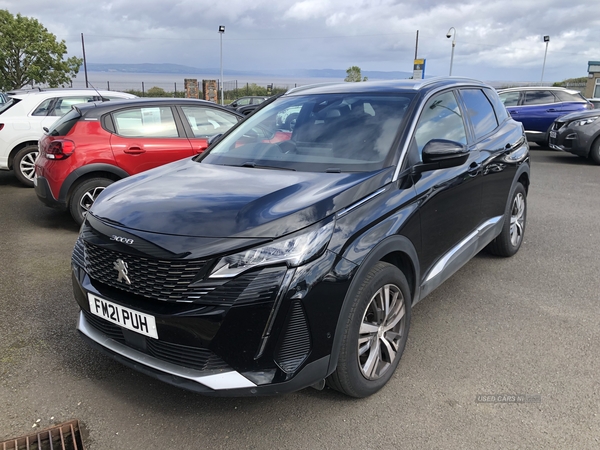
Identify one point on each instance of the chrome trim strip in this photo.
(343, 212)
(442, 263)
(217, 381)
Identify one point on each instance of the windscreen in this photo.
(10, 102)
(316, 133)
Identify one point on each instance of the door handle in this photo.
(134, 151)
(551, 110)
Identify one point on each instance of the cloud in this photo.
(493, 38)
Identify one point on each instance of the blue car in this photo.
(537, 108)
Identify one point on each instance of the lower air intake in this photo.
(295, 344)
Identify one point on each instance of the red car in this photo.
(97, 144)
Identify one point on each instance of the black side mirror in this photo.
(234, 104)
(441, 154)
(213, 139)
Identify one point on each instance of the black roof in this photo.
(97, 109)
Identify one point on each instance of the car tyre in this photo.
(508, 242)
(595, 151)
(84, 196)
(24, 164)
(375, 333)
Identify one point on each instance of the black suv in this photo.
(287, 258)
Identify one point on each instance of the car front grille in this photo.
(171, 280)
(181, 355)
(151, 278)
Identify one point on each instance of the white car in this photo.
(25, 115)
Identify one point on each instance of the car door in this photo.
(146, 137)
(494, 138)
(451, 197)
(538, 110)
(203, 122)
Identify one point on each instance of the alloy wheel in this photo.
(88, 199)
(27, 165)
(381, 331)
(517, 219)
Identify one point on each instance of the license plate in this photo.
(553, 134)
(125, 317)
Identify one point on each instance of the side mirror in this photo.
(441, 154)
(213, 139)
(234, 104)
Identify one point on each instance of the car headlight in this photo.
(581, 122)
(293, 251)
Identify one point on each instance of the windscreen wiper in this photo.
(257, 166)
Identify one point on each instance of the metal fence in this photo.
(232, 88)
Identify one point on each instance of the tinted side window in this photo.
(509, 98)
(539, 98)
(42, 109)
(501, 112)
(564, 96)
(146, 122)
(441, 119)
(480, 111)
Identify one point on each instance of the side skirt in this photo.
(460, 254)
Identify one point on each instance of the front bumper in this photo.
(269, 333)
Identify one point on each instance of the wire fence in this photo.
(232, 89)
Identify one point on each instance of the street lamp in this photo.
(221, 31)
(546, 40)
(449, 35)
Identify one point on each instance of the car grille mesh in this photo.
(170, 280)
(152, 278)
(295, 344)
(181, 355)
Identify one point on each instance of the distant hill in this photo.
(181, 69)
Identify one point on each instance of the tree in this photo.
(29, 53)
(354, 74)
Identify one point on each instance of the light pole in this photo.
(221, 31)
(449, 35)
(546, 40)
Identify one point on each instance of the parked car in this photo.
(248, 100)
(595, 102)
(25, 115)
(538, 107)
(96, 144)
(578, 133)
(278, 260)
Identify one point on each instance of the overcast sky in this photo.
(495, 40)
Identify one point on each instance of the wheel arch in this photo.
(396, 250)
(15, 150)
(86, 172)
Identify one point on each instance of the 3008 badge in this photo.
(121, 239)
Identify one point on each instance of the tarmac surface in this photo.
(525, 326)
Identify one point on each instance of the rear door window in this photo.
(151, 121)
(539, 98)
(206, 122)
(480, 112)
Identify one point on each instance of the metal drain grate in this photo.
(65, 436)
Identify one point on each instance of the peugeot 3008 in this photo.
(278, 260)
